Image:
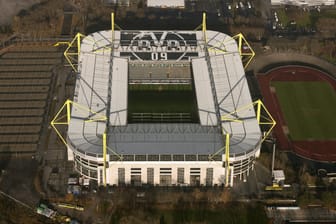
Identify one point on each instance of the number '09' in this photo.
(159, 56)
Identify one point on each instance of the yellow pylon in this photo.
(71, 53)
(227, 159)
(245, 50)
(203, 26)
(73, 49)
(263, 116)
(104, 156)
(112, 27)
(63, 116)
(204, 30)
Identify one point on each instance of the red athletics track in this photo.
(326, 149)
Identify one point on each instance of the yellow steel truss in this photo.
(264, 117)
(245, 50)
(73, 49)
(63, 116)
(71, 53)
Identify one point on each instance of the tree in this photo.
(140, 4)
(328, 199)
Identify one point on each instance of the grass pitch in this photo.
(309, 109)
(162, 99)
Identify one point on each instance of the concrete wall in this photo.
(218, 171)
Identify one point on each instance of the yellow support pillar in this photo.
(227, 158)
(258, 110)
(78, 43)
(240, 44)
(112, 27)
(204, 27)
(104, 156)
(68, 111)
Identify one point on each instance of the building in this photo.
(303, 2)
(165, 3)
(118, 2)
(165, 148)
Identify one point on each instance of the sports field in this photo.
(309, 109)
(162, 103)
(302, 100)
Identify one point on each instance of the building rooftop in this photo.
(303, 2)
(165, 3)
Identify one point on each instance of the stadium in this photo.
(162, 108)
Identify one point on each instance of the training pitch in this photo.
(303, 102)
(309, 109)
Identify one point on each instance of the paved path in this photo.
(267, 59)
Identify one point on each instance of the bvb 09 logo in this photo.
(157, 45)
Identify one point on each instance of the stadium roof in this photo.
(103, 85)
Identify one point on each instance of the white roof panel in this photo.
(232, 94)
(205, 100)
(119, 89)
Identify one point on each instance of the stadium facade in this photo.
(162, 153)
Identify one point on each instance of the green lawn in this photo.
(309, 109)
(167, 99)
